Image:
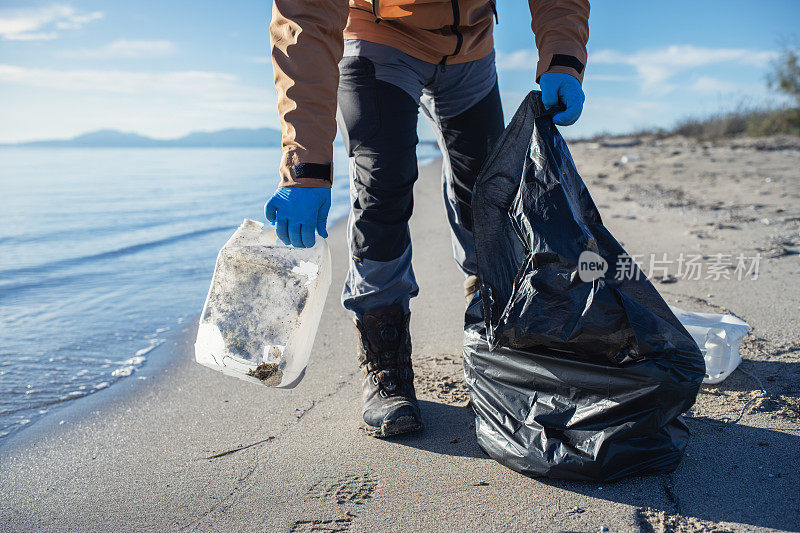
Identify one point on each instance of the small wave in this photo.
(154, 343)
(126, 368)
(39, 237)
(7, 289)
(130, 366)
(125, 250)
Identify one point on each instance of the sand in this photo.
(188, 448)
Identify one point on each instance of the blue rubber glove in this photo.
(565, 88)
(297, 211)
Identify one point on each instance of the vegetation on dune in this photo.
(785, 75)
(754, 123)
(784, 78)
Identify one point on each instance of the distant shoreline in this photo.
(227, 138)
(109, 138)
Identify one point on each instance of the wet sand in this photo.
(152, 455)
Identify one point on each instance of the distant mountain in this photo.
(228, 138)
(233, 137)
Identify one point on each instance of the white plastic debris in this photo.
(263, 308)
(630, 158)
(719, 338)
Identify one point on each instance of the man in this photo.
(395, 56)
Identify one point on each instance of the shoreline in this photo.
(159, 360)
(67, 409)
(73, 411)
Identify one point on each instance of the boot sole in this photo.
(392, 428)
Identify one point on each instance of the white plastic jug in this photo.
(719, 338)
(263, 308)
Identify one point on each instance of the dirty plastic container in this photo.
(719, 338)
(263, 308)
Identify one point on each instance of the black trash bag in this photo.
(574, 372)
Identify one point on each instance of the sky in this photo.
(164, 69)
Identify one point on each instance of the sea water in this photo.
(103, 252)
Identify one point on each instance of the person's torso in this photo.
(452, 31)
(429, 14)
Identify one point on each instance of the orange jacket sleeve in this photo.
(307, 45)
(561, 28)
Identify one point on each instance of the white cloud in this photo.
(32, 36)
(656, 67)
(653, 68)
(605, 114)
(123, 48)
(709, 85)
(40, 23)
(76, 21)
(524, 59)
(206, 85)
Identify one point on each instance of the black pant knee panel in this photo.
(378, 122)
(469, 138)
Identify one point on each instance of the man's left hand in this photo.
(558, 87)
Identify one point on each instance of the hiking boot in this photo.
(471, 285)
(390, 403)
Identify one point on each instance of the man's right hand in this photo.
(297, 211)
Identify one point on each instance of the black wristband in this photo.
(562, 60)
(317, 171)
